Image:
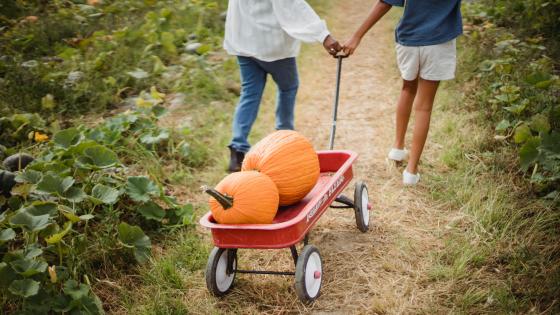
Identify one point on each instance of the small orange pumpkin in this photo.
(244, 198)
(289, 159)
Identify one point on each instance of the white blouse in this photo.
(271, 30)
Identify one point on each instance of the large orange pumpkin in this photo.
(244, 197)
(289, 159)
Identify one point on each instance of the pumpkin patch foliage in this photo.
(79, 190)
(96, 194)
(517, 71)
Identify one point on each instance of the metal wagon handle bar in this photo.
(339, 58)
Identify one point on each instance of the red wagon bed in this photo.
(292, 223)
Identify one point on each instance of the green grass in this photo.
(165, 281)
(502, 253)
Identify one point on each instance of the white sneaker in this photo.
(398, 154)
(409, 178)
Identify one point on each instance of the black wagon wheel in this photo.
(309, 274)
(361, 206)
(220, 270)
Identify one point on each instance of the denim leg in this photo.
(285, 74)
(253, 80)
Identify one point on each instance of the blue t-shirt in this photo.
(428, 22)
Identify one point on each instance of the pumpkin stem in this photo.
(225, 201)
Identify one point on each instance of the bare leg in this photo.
(404, 107)
(423, 112)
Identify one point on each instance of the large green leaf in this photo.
(104, 194)
(24, 288)
(7, 235)
(67, 137)
(91, 304)
(133, 237)
(29, 267)
(101, 156)
(74, 194)
(29, 176)
(62, 303)
(537, 77)
(159, 110)
(57, 237)
(41, 208)
(53, 165)
(40, 303)
(51, 183)
(78, 150)
(539, 123)
(139, 188)
(154, 137)
(522, 133)
(151, 210)
(120, 123)
(167, 42)
(503, 125)
(7, 275)
(75, 290)
(529, 152)
(181, 216)
(203, 49)
(32, 251)
(518, 107)
(550, 142)
(29, 222)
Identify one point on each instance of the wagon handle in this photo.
(336, 95)
(225, 201)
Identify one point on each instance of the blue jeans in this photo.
(253, 80)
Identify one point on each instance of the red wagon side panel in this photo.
(292, 223)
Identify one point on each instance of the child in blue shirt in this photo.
(426, 54)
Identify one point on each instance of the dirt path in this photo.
(385, 271)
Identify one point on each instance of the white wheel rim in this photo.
(223, 281)
(365, 210)
(312, 283)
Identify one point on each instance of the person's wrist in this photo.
(325, 36)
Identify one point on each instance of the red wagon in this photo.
(290, 226)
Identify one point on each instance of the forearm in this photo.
(299, 20)
(378, 11)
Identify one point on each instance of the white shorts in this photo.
(434, 62)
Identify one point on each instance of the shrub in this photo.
(519, 90)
